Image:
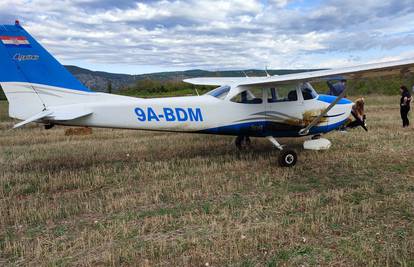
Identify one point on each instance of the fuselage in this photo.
(210, 115)
(196, 114)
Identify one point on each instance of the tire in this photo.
(288, 158)
(242, 142)
(247, 141)
(238, 142)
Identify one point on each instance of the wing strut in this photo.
(315, 121)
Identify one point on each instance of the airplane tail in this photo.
(31, 78)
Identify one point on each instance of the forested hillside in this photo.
(170, 83)
(100, 81)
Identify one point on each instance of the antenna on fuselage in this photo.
(267, 73)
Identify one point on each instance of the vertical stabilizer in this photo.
(25, 68)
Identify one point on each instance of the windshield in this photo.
(308, 92)
(220, 92)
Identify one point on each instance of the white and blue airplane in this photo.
(39, 89)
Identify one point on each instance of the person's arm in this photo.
(404, 101)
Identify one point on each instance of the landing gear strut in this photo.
(242, 142)
(49, 126)
(287, 157)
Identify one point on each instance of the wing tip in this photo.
(190, 81)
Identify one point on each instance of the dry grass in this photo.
(78, 131)
(142, 198)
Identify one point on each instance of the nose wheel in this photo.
(287, 157)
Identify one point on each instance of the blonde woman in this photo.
(359, 114)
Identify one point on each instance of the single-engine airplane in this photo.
(39, 89)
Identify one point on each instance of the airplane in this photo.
(39, 89)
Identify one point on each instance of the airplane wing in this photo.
(218, 81)
(365, 71)
(349, 73)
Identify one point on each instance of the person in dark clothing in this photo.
(359, 114)
(405, 105)
(337, 88)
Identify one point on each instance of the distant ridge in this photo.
(99, 80)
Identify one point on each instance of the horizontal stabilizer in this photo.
(64, 113)
(36, 117)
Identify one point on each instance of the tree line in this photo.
(149, 87)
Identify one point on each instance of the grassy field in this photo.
(141, 198)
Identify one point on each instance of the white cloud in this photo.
(218, 34)
(279, 3)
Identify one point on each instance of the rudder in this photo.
(29, 74)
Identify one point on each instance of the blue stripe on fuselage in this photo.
(330, 99)
(327, 128)
(261, 129)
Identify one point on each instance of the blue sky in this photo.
(162, 35)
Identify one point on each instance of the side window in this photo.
(251, 96)
(282, 94)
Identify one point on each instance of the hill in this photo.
(99, 80)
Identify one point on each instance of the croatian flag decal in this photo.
(15, 41)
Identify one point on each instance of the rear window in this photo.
(220, 92)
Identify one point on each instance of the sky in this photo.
(125, 36)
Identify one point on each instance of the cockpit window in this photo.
(251, 96)
(282, 94)
(308, 92)
(220, 92)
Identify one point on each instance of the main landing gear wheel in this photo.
(242, 142)
(288, 158)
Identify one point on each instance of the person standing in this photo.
(405, 105)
